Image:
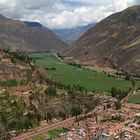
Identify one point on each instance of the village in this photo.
(103, 123)
(107, 124)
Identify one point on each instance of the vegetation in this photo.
(9, 83)
(22, 56)
(135, 98)
(119, 94)
(117, 118)
(71, 62)
(69, 75)
(56, 132)
(51, 91)
(20, 113)
(52, 133)
(118, 105)
(75, 111)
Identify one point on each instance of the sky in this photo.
(61, 14)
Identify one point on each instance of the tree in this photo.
(75, 111)
(119, 94)
(63, 115)
(127, 77)
(114, 92)
(49, 117)
(118, 105)
(133, 83)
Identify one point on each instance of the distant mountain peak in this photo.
(73, 34)
(32, 24)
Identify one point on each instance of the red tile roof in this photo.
(21, 88)
(18, 93)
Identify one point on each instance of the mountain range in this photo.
(113, 42)
(23, 36)
(71, 35)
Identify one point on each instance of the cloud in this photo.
(79, 16)
(94, 11)
(137, 2)
(63, 13)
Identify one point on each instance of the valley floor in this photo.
(90, 79)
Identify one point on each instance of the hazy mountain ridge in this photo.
(33, 24)
(115, 41)
(16, 35)
(71, 35)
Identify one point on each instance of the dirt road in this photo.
(44, 129)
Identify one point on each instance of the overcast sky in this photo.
(63, 13)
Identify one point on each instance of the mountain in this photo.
(33, 24)
(71, 35)
(20, 36)
(113, 42)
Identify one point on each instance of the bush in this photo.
(51, 91)
(9, 83)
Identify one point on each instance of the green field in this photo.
(68, 74)
(134, 98)
(52, 133)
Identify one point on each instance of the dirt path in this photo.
(132, 106)
(44, 129)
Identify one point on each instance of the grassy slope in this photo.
(134, 98)
(71, 75)
(52, 133)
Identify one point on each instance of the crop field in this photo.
(67, 74)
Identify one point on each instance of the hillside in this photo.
(114, 42)
(71, 35)
(16, 35)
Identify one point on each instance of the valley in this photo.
(47, 97)
(71, 35)
(69, 75)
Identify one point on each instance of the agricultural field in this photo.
(68, 75)
(134, 98)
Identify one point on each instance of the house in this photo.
(21, 90)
